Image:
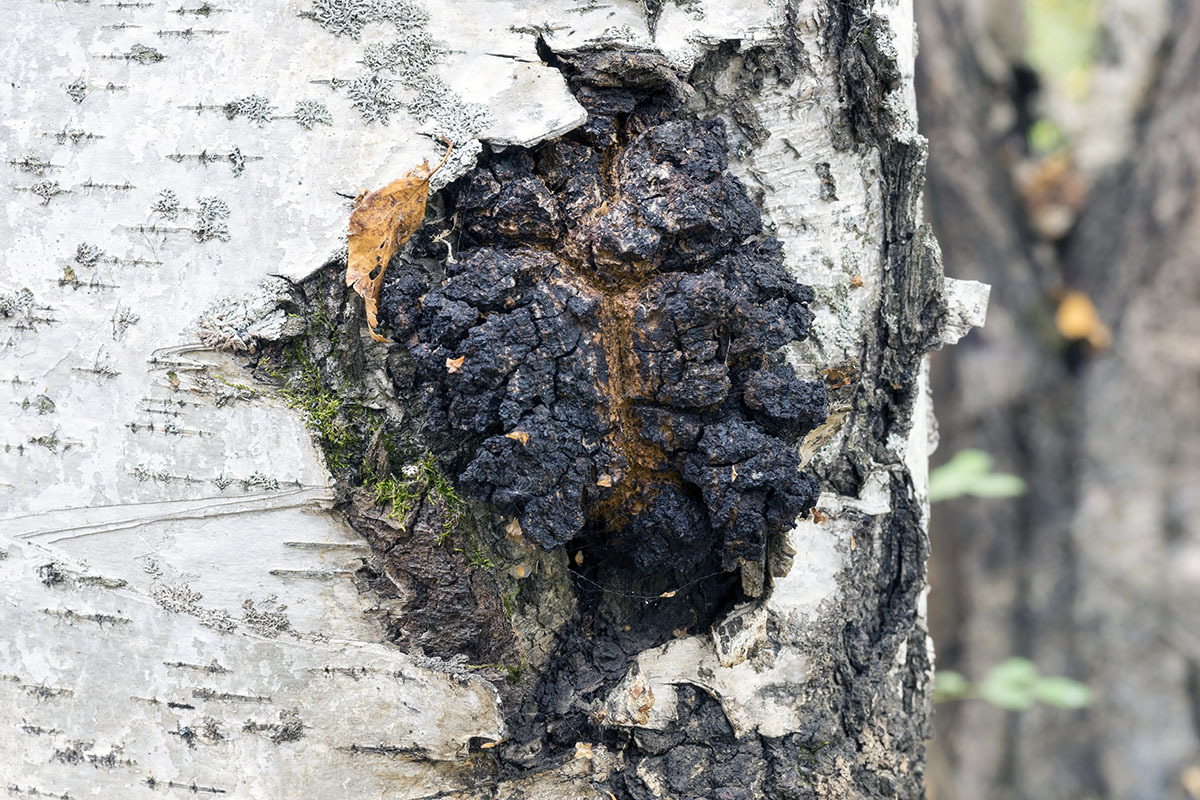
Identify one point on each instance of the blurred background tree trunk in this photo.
(1081, 196)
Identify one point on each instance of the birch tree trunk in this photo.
(238, 558)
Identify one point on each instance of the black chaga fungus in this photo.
(606, 336)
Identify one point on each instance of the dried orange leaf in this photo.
(835, 378)
(1078, 320)
(520, 436)
(604, 481)
(1076, 316)
(455, 364)
(381, 221)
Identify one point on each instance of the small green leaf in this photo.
(1010, 684)
(1014, 684)
(949, 685)
(1009, 696)
(998, 484)
(971, 461)
(1045, 136)
(1062, 692)
(1014, 670)
(969, 473)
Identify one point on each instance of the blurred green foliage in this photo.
(1045, 136)
(1063, 41)
(969, 472)
(1013, 684)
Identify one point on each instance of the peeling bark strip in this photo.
(609, 333)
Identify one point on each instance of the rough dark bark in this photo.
(1088, 573)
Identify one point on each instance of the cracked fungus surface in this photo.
(603, 326)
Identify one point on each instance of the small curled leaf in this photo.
(380, 223)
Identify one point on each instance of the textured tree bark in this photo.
(1089, 574)
(242, 555)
